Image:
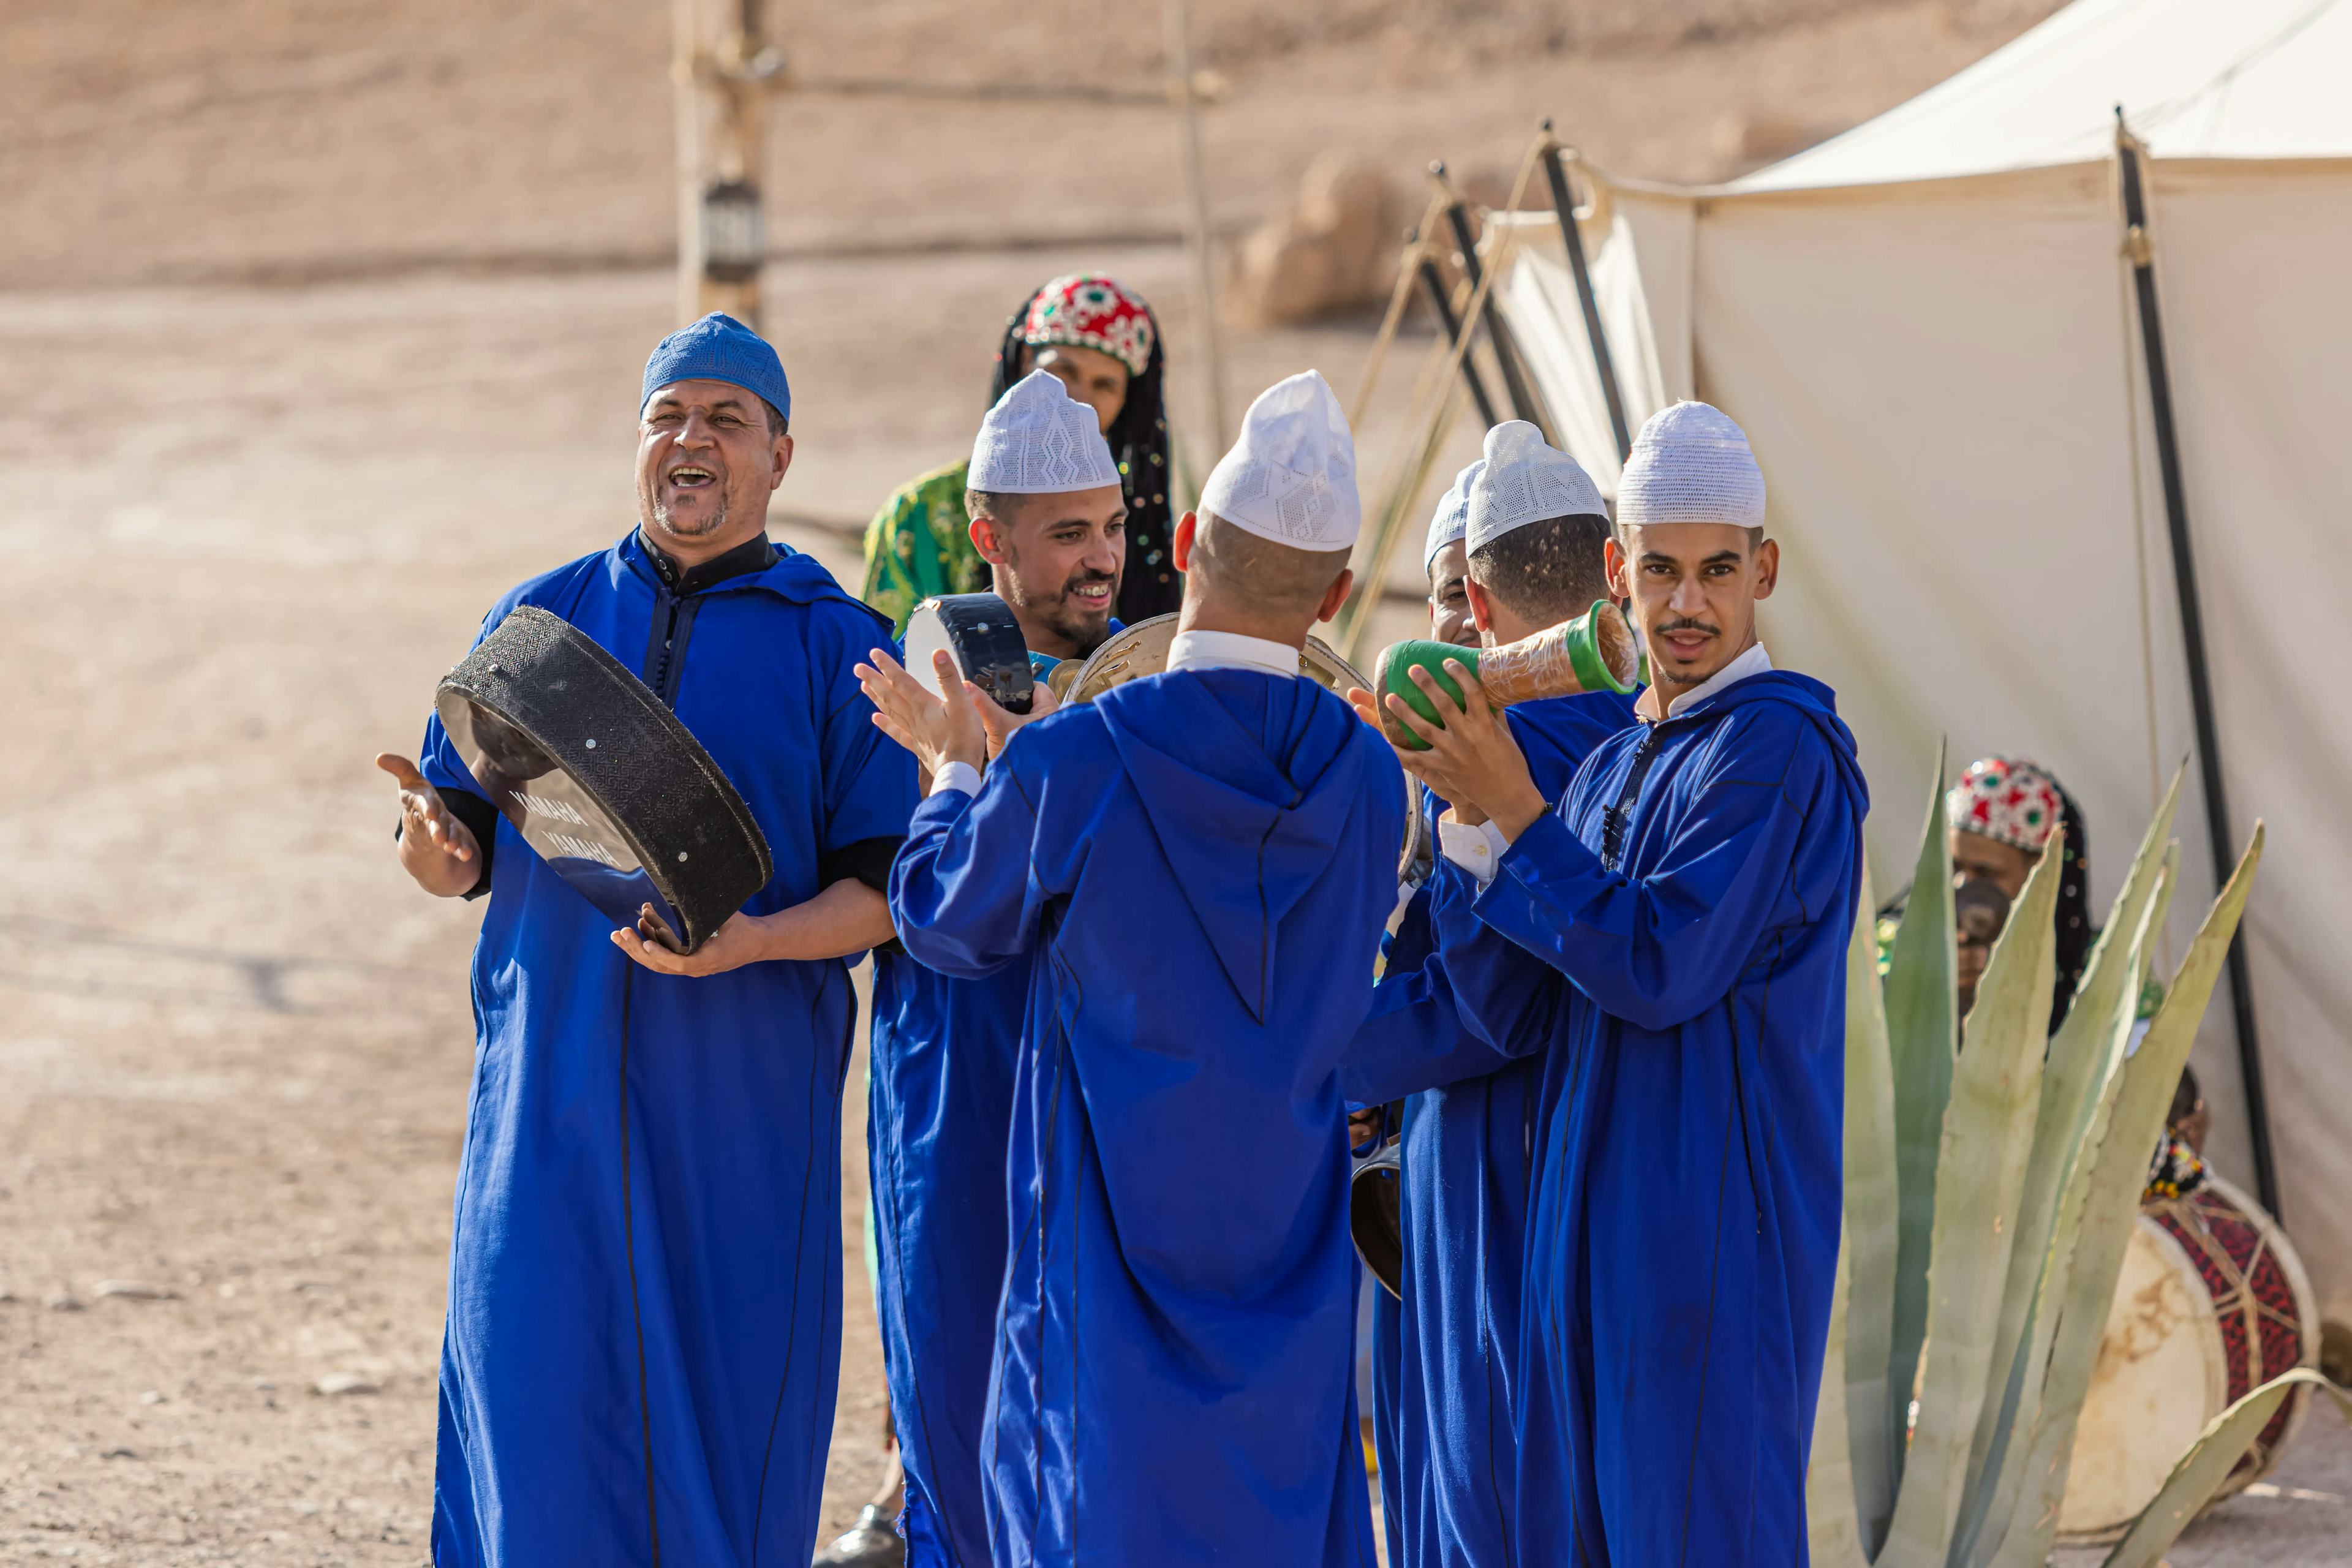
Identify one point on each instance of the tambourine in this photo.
(1594, 652)
(600, 779)
(1376, 1215)
(979, 630)
(1142, 649)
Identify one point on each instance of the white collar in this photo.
(1231, 650)
(1754, 661)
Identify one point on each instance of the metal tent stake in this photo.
(1499, 336)
(1435, 284)
(2193, 637)
(1564, 203)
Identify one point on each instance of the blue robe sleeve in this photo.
(962, 895)
(1659, 950)
(1415, 1039)
(869, 778)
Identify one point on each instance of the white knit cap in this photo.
(1039, 440)
(1525, 480)
(1452, 519)
(1691, 463)
(1291, 478)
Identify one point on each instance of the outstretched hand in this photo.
(437, 848)
(938, 728)
(1472, 759)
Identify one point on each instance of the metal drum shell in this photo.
(981, 631)
(2184, 1338)
(692, 835)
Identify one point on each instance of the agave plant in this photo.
(1990, 1195)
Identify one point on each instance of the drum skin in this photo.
(598, 775)
(2211, 1303)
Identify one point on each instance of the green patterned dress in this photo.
(919, 544)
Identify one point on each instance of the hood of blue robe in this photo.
(1255, 812)
(1809, 697)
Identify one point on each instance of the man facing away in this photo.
(1536, 537)
(645, 1266)
(1191, 869)
(1672, 939)
(1049, 517)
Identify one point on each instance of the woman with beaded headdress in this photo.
(2005, 813)
(1102, 341)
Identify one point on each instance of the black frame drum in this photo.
(600, 778)
(979, 630)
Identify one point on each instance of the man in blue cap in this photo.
(645, 1273)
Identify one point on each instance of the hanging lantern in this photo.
(734, 239)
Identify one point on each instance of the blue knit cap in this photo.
(717, 348)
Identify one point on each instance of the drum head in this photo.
(600, 779)
(1376, 1219)
(1142, 649)
(979, 631)
(2212, 1302)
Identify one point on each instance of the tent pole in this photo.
(2193, 637)
(1452, 325)
(1499, 336)
(1563, 201)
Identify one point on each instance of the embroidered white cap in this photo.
(1691, 463)
(1039, 440)
(1452, 519)
(1291, 477)
(1525, 480)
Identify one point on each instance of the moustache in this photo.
(1687, 624)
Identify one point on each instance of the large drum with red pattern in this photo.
(2212, 1302)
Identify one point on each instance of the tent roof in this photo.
(2197, 79)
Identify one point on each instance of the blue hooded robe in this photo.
(1449, 1348)
(938, 1115)
(1673, 939)
(645, 1269)
(1193, 870)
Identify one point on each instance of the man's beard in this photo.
(1085, 630)
(692, 528)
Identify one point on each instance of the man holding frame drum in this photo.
(1050, 518)
(645, 1270)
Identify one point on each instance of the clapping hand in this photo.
(940, 728)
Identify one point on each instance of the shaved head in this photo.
(1267, 578)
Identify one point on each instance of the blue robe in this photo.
(939, 1112)
(1185, 869)
(1673, 939)
(645, 1270)
(1443, 1407)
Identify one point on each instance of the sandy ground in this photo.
(320, 325)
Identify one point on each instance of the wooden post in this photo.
(722, 70)
(1176, 24)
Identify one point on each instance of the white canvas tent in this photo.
(1928, 326)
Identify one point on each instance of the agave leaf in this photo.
(1831, 1530)
(2206, 1464)
(1922, 1034)
(1867, 1255)
(1986, 1516)
(2077, 1055)
(2118, 1171)
(1988, 1140)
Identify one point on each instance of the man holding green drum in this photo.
(1531, 529)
